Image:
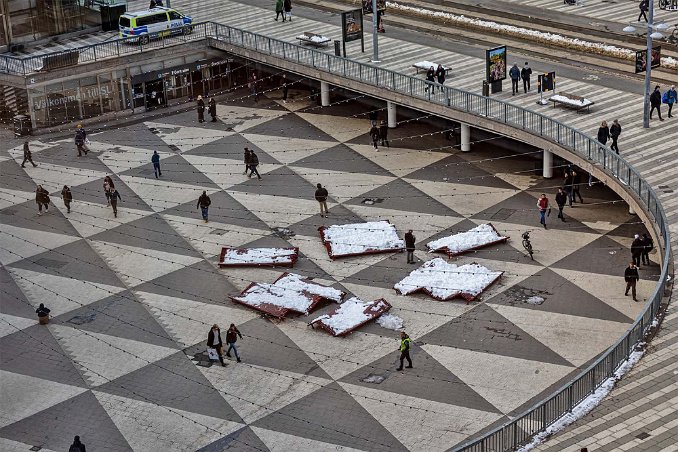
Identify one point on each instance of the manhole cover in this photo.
(35, 448)
(284, 233)
(153, 130)
(371, 201)
(174, 148)
(82, 319)
(218, 231)
(503, 214)
(643, 435)
(52, 263)
(376, 379)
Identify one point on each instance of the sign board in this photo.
(546, 82)
(352, 28)
(496, 64)
(640, 59)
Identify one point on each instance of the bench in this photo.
(572, 101)
(60, 60)
(314, 39)
(426, 65)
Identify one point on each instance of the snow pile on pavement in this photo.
(351, 314)
(477, 237)
(315, 38)
(445, 281)
(390, 321)
(296, 283)
(540, 36)
(246, 256)
(268, 294)
(535, 300)
(574, 102)
(426, 65)
(359, 238)
(586, 405)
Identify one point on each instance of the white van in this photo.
(159, 22)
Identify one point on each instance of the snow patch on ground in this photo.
(479, 236)
(297, 283)
(535, 300)
(261, 294)
(360, 238)
(586, 405)
(234, 256)
(351, 314)
(574, 102)
(390, 321)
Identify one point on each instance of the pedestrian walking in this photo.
(253, 162)
(252, 85)
(410, 241)
(246, 160)
(77, 446)
(279, 10)
(43, 314)
(373, 118)
(644, 5)
(603, 133)
(204, 202)
(42, 199)
(383, 134)
(656, 102)
(231, 338)
(380, 21)
(28, 156)
(615, 131)
(561, 199)
(440, 74)
(670, 97)
(155, 159)
(567, 184)
(67, 196)
(525, 74)
(81, 140)
(637, 247)
(404, 349)
(321, 196)
(212, 109)
(287, 6)
(514, 73)
(576, 184)
(374, 134)
(431, 78)
(214, 341)
(283, 83)
(114, 196)
(648, 245)
(631, 277)
(543, 205)
(201, 109)
(108, 185)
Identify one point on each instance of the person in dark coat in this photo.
(201, 109)
(644, 5)
(440, 74)
(637, 248)
(67, 196)
(231, 337)
(373, 118)
(631, 277)
(404, 349)
(253, 162)
(43, 314)
(155, 159)
(576, 183)
(42, 199)
(246, 160)
(410, 240)
(279, 10)
(567, 184)
(285, 87)
(321, 196)
(615, 131)
(656, 102)
(561, 199)
(287, 6)
(253, 86)
(77, 446)
(108, 185)
(514, 74)
(383, 134)
(430, 77)
(525, 74)
(603, 133)
(648, 245)
(374, 134)
(212, 109)
(28, 157)
(214, 341)
(204, 202)
(81, 140)
(670, 97)
(114, 196)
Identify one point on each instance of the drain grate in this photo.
(218, 231)
(51, 263)
(35, 448)
(643, 435)
(174, 147)
(503, 214)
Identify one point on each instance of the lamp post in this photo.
(375, 31)
(651, 34)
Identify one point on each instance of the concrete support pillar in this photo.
(324, 94)
(548, 164)
(391, 110)
(631, 211)
(465, 138)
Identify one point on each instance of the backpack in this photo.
(665, 98)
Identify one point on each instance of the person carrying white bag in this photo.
(214, 344)
(287, 6)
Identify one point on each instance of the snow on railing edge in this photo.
(540, 36)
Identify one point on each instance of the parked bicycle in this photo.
(527, 244)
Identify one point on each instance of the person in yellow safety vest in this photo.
(405, 342)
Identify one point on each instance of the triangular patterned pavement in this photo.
(14, 302)
(175, 169)
(337, 215)
(282, 182)
(343, 159)
(93, 192)
(293, 150)
(457, 170)
(244, 440)
(291, 126)
(185, 138)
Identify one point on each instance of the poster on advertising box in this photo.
(352, 27)
(496, 64)
(641, 65)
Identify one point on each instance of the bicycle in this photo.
(527, 245)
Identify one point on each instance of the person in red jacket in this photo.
(543, 205)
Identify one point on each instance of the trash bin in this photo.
(337, 47)
(486, 88)
(110, 14)
(22, 125)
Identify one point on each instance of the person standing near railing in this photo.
(615, 131)
(656, 102)
(279, 10)
(514, 73)
(525, 74)
(670, 97)
(631, 277)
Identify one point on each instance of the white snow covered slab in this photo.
(360, 238)
(350, 315)
(290, 292)
(245, 257)
(444, 281)
(315, 39)
(473, 239)
(426, 65)
(577, 103)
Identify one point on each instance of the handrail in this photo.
(520, 430)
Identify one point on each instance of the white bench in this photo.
(426, 65)
(314, 39)
(572, 101)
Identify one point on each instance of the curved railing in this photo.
(534, 420)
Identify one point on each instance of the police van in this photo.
(159, 22)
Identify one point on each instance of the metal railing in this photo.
(534, 420)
